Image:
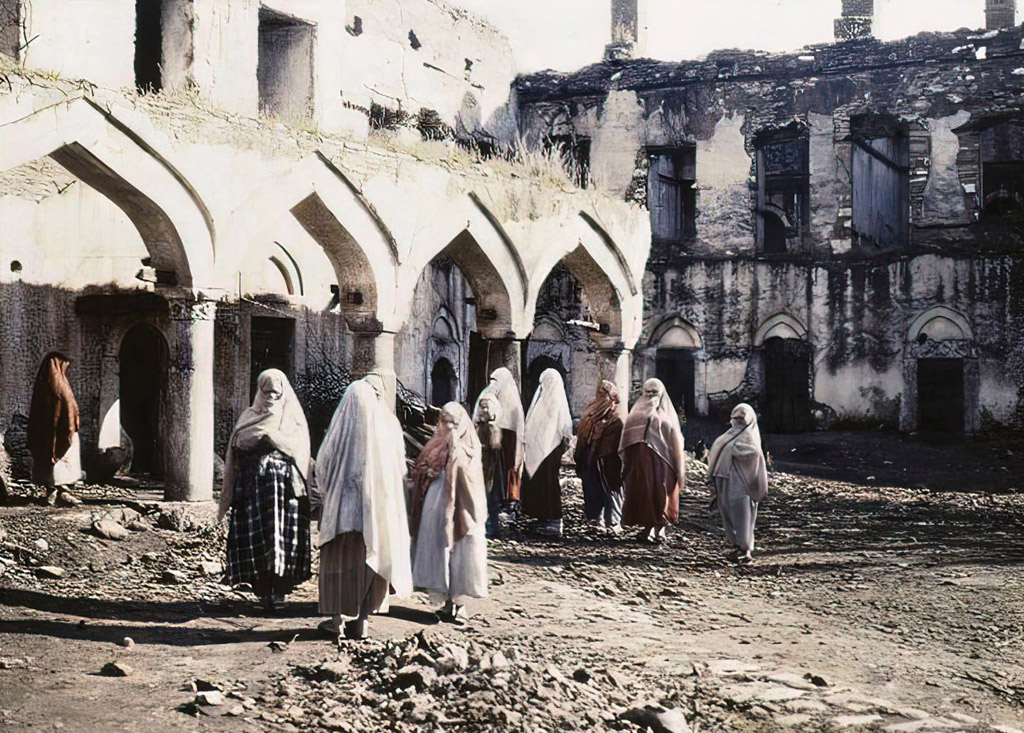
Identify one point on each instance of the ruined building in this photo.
(836, 233)
(194, 190)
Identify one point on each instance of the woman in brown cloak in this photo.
(597, 457)
(53, 424)
(653, 463)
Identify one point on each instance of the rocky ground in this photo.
(870, 607)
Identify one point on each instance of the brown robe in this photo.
(652, 491)
(509, 446)
(53, 417)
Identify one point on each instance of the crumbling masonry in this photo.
(836, 232)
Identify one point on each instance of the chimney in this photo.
(1000, 14)
(855, 25)
(629, 30)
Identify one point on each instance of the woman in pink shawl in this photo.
(654, 469)
(264, 487)
(736, 467)
(450, 514)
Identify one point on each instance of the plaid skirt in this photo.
(268, 536)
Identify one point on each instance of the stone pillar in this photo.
(374, 351)
(1000, 14)
(857, 21)
(616, 364)
(629, 30)
(188, 427)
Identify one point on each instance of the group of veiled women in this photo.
(382, 533)
(371, 547)
(632, 469)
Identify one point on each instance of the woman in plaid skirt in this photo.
(265, 476)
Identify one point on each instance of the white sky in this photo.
(569, 34)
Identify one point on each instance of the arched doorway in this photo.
(143, 378)
(787, 379)
(443, 383)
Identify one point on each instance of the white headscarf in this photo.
(503, 386)
(281, 423)
(360, 471)
(654, 422)
(548, 422)
(740, 447)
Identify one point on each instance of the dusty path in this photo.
(909, 604)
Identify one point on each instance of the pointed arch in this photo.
(494, 306)
(106, 154)
(780, 325)
(357, 285)
(604, 298)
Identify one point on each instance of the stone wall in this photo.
(853, 303)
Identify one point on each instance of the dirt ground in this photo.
(893, 602)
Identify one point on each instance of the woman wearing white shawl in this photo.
(736, 466)
(548, 431)
(364, 532)
(653, 461)
(450, 514)
(264, 486)
(509, 419)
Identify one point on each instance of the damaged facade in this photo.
(836, 233)
(192, 191)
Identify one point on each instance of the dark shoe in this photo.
(328, 630)
(733, 555)
(355, 629)
(745, 559)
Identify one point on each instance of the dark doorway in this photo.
(537, 367)
(270, 347)
(149, 44)
(677, 371)
(442, 383)
(787, 386)
(940, 395)
(143, 379)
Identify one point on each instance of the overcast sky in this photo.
(568, 34)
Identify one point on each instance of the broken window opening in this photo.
(881, 182)
(148, 45)
(414, 42)
(356, 29)
(672, 194)
(12, 29)
(287, 48)
(1002, 170)
(574, 153)
(783, 192)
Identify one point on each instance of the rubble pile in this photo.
(430, 681)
